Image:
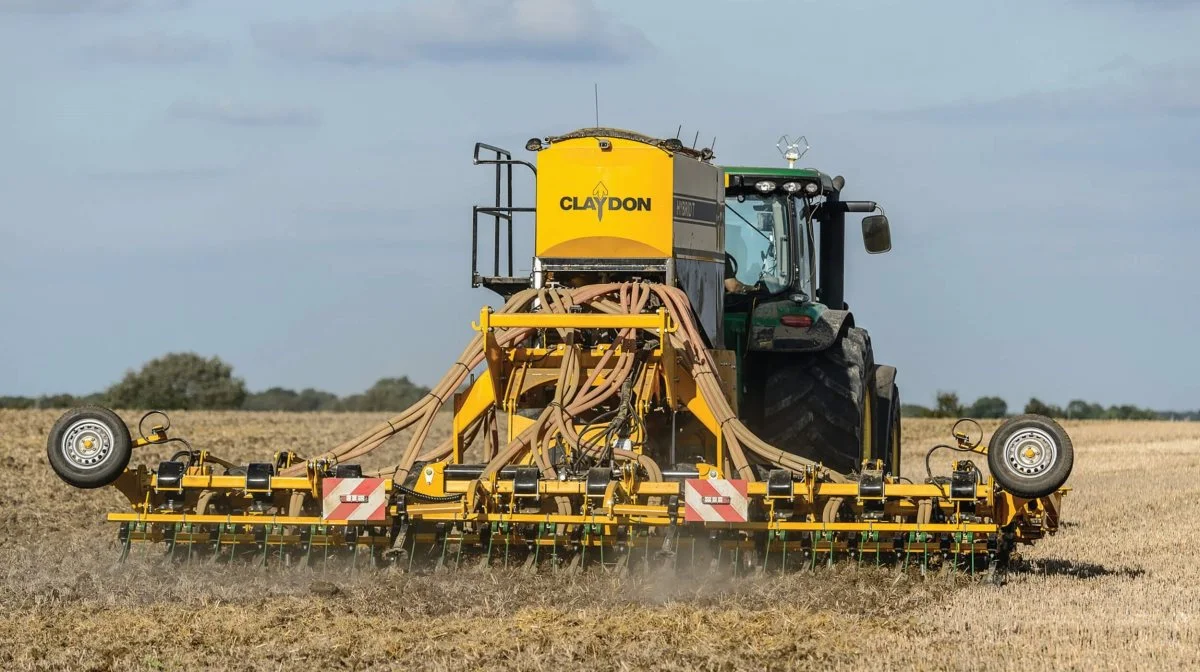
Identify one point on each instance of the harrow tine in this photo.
(125, 543)
(537, 546)
(622, 565)
(487, 558)
(440, 566)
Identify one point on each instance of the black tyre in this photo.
(1030, 456)
(89, 447)
(887, 419)
(818, 405)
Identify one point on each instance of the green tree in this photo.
(318, 400)
(18, 402)
(282, 399)
(1130, 412)
(1039, 407)
(179, 380)
(947, 405)
(988, 407)
(387, 394)
(1078, 409)
(915, 411)
(58, 401)
(273, 399)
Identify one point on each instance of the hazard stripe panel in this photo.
(715, 500)
(358, 500)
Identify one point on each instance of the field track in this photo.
(1118, 588)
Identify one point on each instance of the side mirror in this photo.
(877, 235)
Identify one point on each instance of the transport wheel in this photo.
(887, 419)
(89, 447)
(817, 405)
(1030, 456)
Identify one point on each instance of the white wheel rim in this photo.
(87, 444)
(1030, 452)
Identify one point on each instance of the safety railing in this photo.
(501, 211)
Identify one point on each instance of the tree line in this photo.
(186, 380)
(947, 405)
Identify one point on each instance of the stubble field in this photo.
(1117, 588)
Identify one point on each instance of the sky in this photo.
(287, 185)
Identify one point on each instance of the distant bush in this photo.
(988, 407)
(179, 380)
(281, 399)
(387, 394)
(916, 411)
(18, 402)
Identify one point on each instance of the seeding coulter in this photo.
(678, 379)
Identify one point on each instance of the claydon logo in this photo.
(601, 201)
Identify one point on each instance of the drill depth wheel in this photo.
(1031, 456)
(89, 447)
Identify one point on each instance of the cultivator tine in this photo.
(487, 558)
(123, 538)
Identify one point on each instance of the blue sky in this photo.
(288, 184)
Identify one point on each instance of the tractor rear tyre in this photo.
(1030, 456)
(818, 405)
(89, 447)
(887, 419)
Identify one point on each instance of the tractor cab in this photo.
(768, 231)
(784, 247)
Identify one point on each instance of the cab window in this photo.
(756, 237)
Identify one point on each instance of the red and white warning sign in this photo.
(716, 500)
(353, 499)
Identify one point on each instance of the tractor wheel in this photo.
(887, 419)
(1030, 456)
(89, 447)
(818, 405)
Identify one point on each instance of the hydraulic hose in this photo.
(576, 394)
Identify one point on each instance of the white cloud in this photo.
(455, 31)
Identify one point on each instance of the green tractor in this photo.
(808, 376)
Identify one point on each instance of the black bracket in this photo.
(598, 479)
(525, 481)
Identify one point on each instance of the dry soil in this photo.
(1117, 588)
